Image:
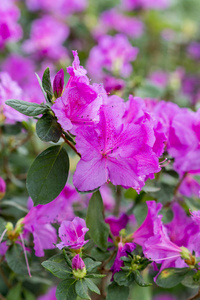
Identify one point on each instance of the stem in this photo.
(179, 183)
(5, 278)
(118, 201)
(22, 142)
(2, 297)
(26, 259)
(70, 144)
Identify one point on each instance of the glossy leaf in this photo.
(98, 229)
(48, 174)
(57, 269)
(66, 290)
(48, 129)
(46, 83)
(82, 289)
(116, 292)
(172, 276)
(16, 260)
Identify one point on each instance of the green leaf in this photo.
(28, 295)
(48, 129)
(15, 292)
(170, 277)
(91, 264)
(68, 261)
(27, 108)
(10, 129)
(116, 292)
(139, 279)
(91, 286)
(124, 278)
(40, 83)
(190, 282)
(16, 260)
(57, 269)
(98, 229)
(46, 83)
(82, 289)
(149, 90)
(48, 174)
(66, 290)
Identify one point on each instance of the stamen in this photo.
(2, 236)
(26, 259)
(167, 163)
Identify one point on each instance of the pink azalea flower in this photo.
(50, 295)
(114, 151)
(151, 224)
(10, 31)
(113, 53)
(44, 235)
(144, 4)
(116, 224)
(47, 36)
(190, 187)
(76, 107)
(60, 7)
(9, 89)
(194, 50)
(72, 234)
(123, 250)
(113, 19)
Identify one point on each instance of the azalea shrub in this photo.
(99, 150)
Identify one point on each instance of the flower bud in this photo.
(2, 188)
(58, 83)
(78, 267)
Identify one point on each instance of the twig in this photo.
(70, 144)
(2, 297)
(5, 278)
(22, 142)
(179, 183)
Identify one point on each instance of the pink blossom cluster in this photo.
(10, 30)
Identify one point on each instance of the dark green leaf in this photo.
(66, 290)
(27, 108)
(190, 282)
(16, 260)
(28, 295)
(46, 83)
(12, 129)
(15, 292)
(116, 292)
(91, 264)
(57, 269)
(48, 129)
(139, 279)
(98, 229)
(48, 174)
(124, 278)
(91, 286)
(82, 289)
(68, 261)
(172, 276)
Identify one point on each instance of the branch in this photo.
(195, 297)
(70, 144)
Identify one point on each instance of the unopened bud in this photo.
(78, 267)
(58, 83)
